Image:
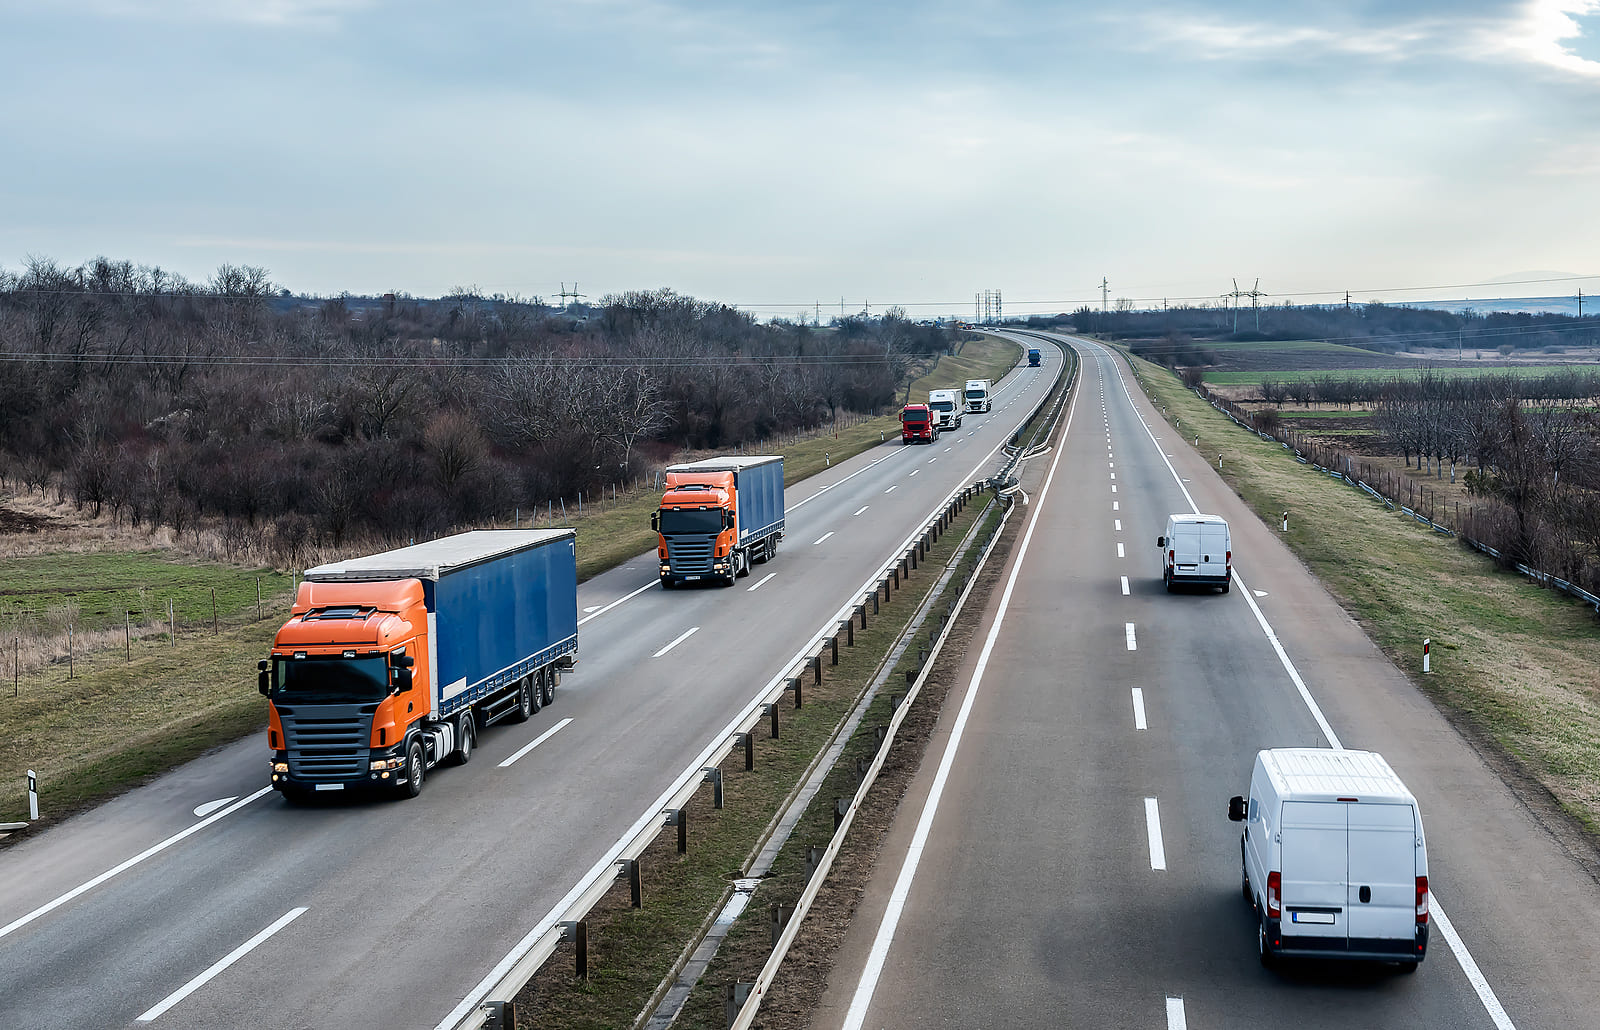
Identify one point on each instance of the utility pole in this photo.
(816, 317)
(1347, 300)
(1580, 302)
(977, 309)
(1104, 287)
(999, 308)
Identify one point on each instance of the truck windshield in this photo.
(691, 520)
(974, 395)
(331, 678)
(913, 416)
(942, 405)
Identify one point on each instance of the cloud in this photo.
(289, 14)
(1539, 32)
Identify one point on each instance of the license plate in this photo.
(329, 786)
(687, 578)
(1325, 918)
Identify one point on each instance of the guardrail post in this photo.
(499, 1015)
(714, 777)
(874, 606)
(630, 866)
(840, 807)
(912, 557)
(780, 918)
(682, 818)
(749, 751)
(881, 734)
(772, 710)
(578, 933)
(816, 670)
(813, 860)
(833, 642)
(738, 994)
(794, 685)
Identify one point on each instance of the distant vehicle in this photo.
(392, 663)
(946, 405)
(977, 394)
(917, 423)
(1033, 357)
(1335, 862)
(719, 515)
(1197, 550)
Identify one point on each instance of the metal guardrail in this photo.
(487, 1002)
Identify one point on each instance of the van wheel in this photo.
(1225, 587)
(1166, 579)
(1268, 959)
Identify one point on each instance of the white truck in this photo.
(978, 398)
(947, 408)
(1196, 549)
(1335, 862)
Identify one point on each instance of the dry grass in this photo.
(1515, 666)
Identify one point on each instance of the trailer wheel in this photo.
(466, 737)
(526, 705)
(772, 547)
(547, 692)
(415, 770)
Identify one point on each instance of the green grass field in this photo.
(99, 590)
(1224, 376)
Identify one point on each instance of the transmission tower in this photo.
(575, 295)
(1104, 287)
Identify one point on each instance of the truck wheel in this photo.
(295, 795)
(741, 563)
(526, 706)
(772, 547)
(466, 737)
(415, 771)
(547, 692)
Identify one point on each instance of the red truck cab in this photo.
(917, 423)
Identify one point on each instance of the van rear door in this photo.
(1383, 861)
(1315, 845)
(1213, 540)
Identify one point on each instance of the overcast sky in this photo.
(778, 155)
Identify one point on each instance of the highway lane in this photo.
(1037, 899)
(406, 905)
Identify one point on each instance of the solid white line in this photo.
(902, 888)
(1152, 826)
(233, 956)
(757, 585)
(154, 849)
(859, 510)
(1138, 709)
(821, 538)
(1175, 1017)
(1458, 947)
(1133, 643)
(1124, 586)
(535, 742)
(1119, 550)
(686, 635)
(613, 604)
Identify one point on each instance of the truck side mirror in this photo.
(1161, 541)
(263, 678)
(655, 521)
(402, 665)
(1236, 808)
(727, 519)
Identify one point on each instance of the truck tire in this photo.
(466, 738)
(416, 763)
(741, 563)
(547, 691)
(295, 795)
(526, 705)
(772, 547)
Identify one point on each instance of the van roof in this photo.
(1194, 518)
(1324, 774)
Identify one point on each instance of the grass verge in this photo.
(1514, 665)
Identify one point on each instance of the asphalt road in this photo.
(381, 913)
(1032, 891)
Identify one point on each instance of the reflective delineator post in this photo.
(33, 797)
(1426, 644)
(1286, 522)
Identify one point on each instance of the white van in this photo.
(1197, 549)
(1335, 863)
(978, 399)
(946, 405)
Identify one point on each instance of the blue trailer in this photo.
(392, 663)
(718, 516)
(1033, 357)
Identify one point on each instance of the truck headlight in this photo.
(379, 764)
(280, 767)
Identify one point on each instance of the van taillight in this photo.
(1422, 900)
(1228, 558)
(1172, 556)
(1274, 901)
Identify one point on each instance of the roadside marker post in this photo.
(1426, 645)
(33, 797)
(1286, 522)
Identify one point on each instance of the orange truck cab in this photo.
(917, 422)
(717, 517)
(392, 663)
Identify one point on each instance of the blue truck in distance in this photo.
(392, 663)
(1033, 357)
(717, 517)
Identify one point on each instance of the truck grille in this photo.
(327, 742)
(689, 555)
